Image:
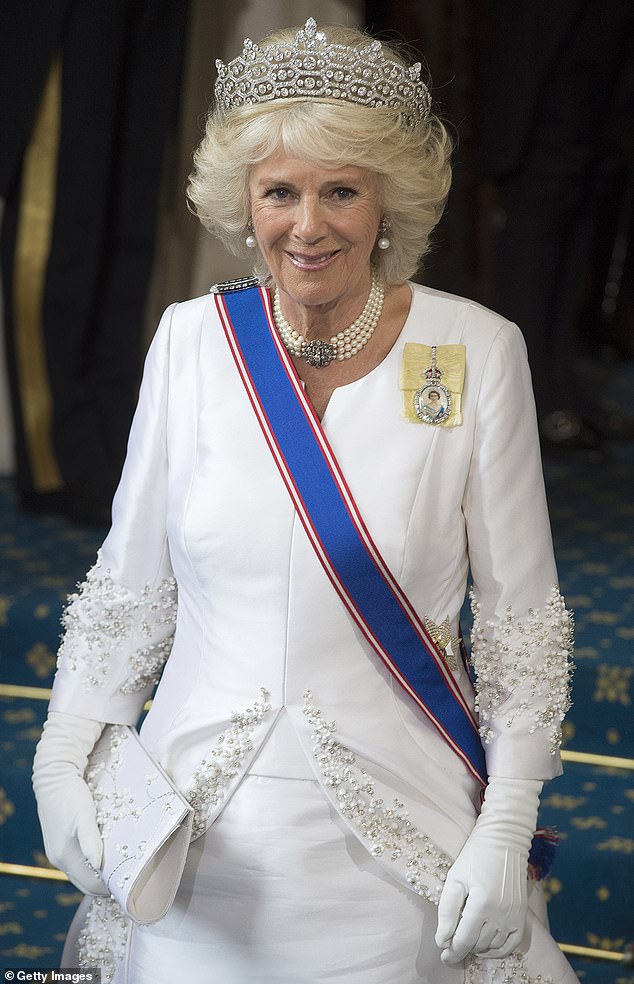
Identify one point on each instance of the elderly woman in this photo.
(318, 457)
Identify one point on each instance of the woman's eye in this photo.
(343, 194)
(278, 194)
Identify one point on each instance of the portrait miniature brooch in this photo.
(432, 380)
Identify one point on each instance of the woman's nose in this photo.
(310, 224)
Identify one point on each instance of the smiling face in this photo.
(316, 228)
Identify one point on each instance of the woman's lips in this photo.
(316, 261)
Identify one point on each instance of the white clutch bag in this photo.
(145, 823)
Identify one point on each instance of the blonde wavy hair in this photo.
(412, 163)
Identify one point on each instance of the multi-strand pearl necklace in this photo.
(345, 343)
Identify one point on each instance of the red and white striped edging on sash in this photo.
(334, 526)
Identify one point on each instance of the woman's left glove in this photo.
(64, 803)
(483, 904)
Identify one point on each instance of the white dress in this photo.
(264, 659)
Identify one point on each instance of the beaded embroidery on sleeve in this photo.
(524, 667)
(103, 621)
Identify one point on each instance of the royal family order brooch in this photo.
(432, 380)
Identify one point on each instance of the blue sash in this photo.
(334, 526)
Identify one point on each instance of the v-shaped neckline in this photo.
(376, 370)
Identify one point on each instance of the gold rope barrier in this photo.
(26, 693)
(30, 871)
(591, 953)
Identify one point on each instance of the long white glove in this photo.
(483, 904)
(64, 804)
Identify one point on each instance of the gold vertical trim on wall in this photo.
(33, 244)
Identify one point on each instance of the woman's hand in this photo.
(64, 804)
(483, 905)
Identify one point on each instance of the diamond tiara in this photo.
(312, 68)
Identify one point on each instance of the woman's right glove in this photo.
(64, 804)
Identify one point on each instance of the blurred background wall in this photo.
(539, 100)
(101, 106)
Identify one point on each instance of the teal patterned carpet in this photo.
(591, 887)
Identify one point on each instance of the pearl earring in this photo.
(384, 242)
(250, 240)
